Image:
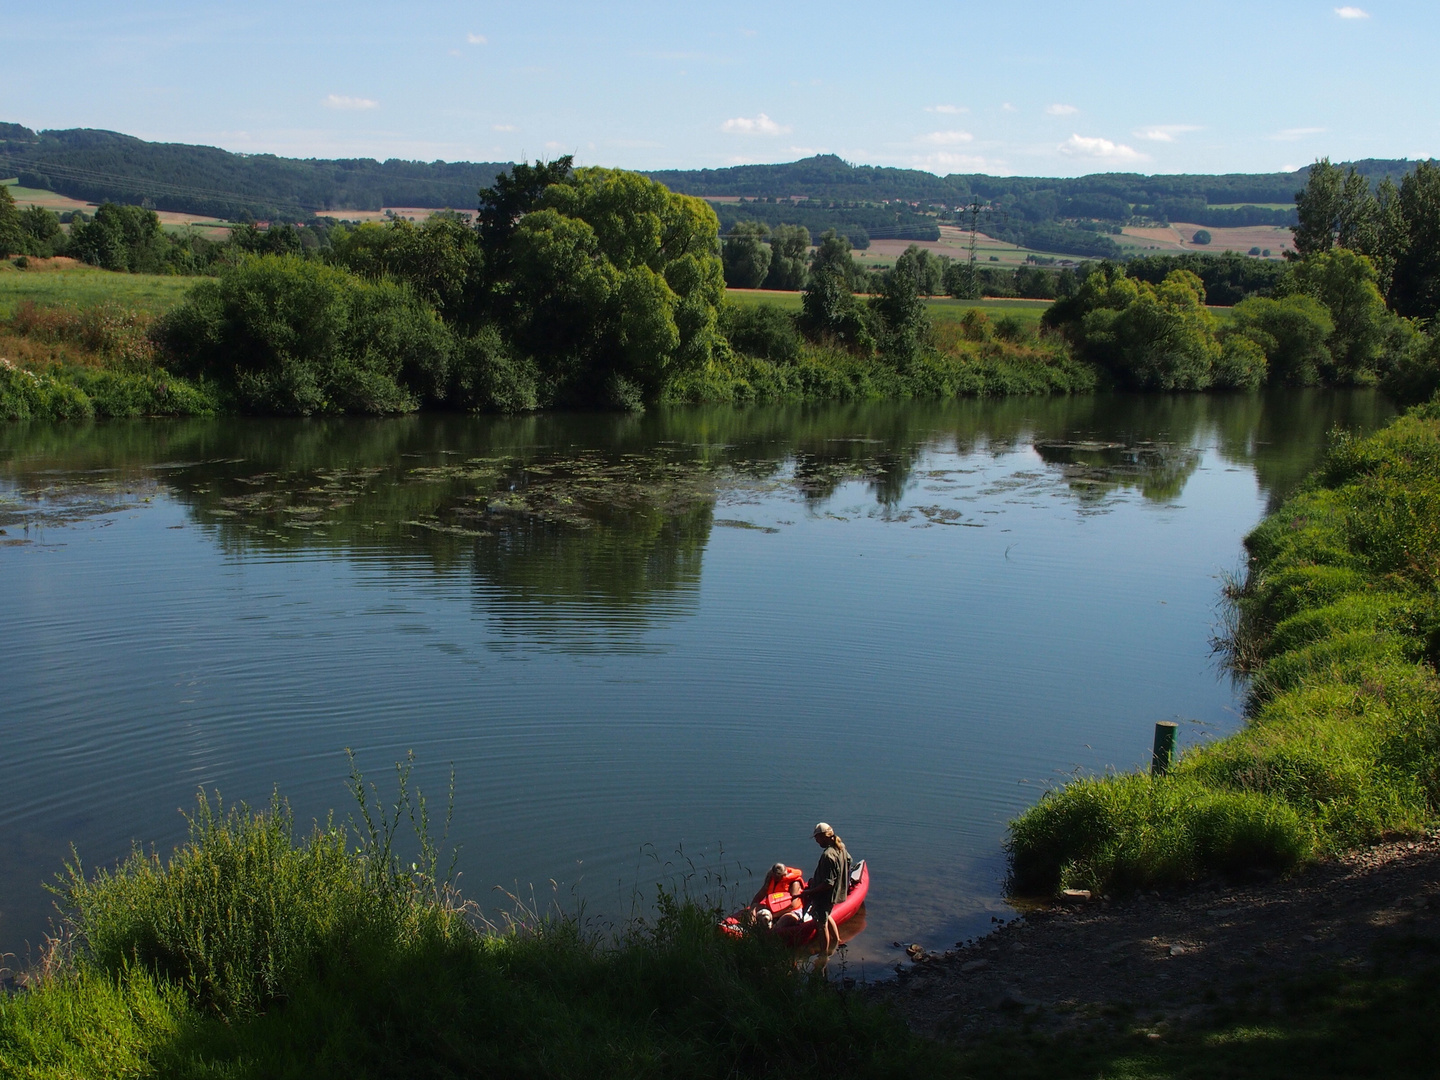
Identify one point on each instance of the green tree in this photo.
(515, 194)
(1335, 208)
(1202, 236)
(1415, 282)
(279, 239)
(926, 268)
(789, 255)
(121, 238)
(761, 330)
(1347, 284)
(281, 334)
(1153, 337)
(746, 255)
(439, 260)
(832, 255)
(614, 284)
(43, 234)
(12, 234)
(829, 309)
(1291, 332)
(962, 281)
(898, 316)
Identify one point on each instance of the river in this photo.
(653, 648)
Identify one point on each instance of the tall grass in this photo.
(68, 363)
(251, 952)
(1338, 627)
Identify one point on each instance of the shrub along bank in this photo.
(251, 953)
(1338, 626)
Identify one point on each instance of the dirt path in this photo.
(1169, 957)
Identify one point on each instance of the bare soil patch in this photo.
(1173, 957)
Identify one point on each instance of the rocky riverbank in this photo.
(1165, 960)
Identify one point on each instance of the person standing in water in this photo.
(830, 884)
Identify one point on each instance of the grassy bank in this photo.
(72, 363)
(251, 953)
(1338, 626)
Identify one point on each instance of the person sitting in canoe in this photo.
(779, 899)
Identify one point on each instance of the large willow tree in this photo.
(606, 281)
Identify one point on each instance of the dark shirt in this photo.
(831, 882)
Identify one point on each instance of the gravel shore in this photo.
(1162, 958)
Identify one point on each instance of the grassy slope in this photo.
(74, 345)
(1339, 625)
(84, 286)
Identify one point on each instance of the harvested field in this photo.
(416, 214)
(208, 227)
(1176, 237)
(954, 242)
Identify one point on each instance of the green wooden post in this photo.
(1164, 747)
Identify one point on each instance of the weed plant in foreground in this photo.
(1338, 627)
(249, 953)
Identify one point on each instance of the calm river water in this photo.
(652, 647)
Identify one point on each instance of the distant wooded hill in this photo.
(1069, 215)
(104, 166)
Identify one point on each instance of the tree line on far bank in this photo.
(1355, 305)
(601, 288)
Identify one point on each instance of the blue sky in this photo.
(1034, 88)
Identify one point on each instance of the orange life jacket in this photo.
(775, 894)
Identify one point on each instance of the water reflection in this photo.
(614, 512)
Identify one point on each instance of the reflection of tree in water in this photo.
(542, 578)
(1283, 434)
(607, 517)
(1094, 469)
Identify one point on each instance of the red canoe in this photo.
(806, 931)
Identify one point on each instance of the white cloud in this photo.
(758, 125)
(1352, 13)
(553, 145)
(477, 39)
(1100, 149)
(1061, 110)
(808, 151)
(946, 138)
(1007, 107)
(504, 127)
(340, 101)
(947, 110)
(1291, 134)
(1164, 132)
